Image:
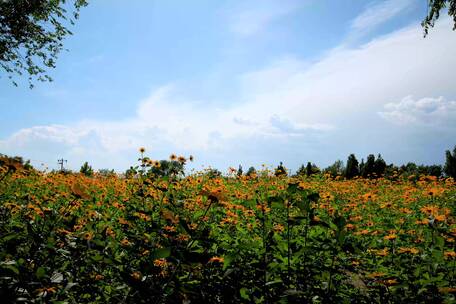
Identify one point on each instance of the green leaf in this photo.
(160, 253)
(40, 272)
(227, 261)
(97, 257)
(12, 268)
(243, 292)
(277, 205)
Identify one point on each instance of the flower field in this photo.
(68, 238)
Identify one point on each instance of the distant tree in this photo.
(336, 169)
(450, 163)
(409, 169)
(315, 169)
(31, 35)
(352, 168)
(213, 173)
(369, 166)
(132, 171)
(309, 169)
(301, 170)
(106, 172)
(86, 169)
(239, 171)
(14, 163)
(434, 9)
(280, 170)
(172, 168)
(391, 171)
(251, 172)
(431, 170)
(379, 166)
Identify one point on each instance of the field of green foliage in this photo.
(69, 238)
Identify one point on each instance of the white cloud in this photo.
(378, 13)
(251, 19)
(288, 110)
(424, 111)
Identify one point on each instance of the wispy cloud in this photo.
(255, 16)
(376, 14)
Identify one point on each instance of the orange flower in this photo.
(161, 263)
(390, 237)
(449, 254)
(216, 259)
(142, 150)
(375, 275)
(170, 228)
(125, 242)
(447, 290)
(136, 275)
(390, 282)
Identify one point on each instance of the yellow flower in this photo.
(408, 250)
(279, 228)
(142, 150)
(88, 236)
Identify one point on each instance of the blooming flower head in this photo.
(216, 259)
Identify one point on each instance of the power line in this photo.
(60, 162)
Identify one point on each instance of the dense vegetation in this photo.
(265, 237)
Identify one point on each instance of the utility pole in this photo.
(60, 162)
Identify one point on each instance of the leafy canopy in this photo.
(32, 33)
(434, 9)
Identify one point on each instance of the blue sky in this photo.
(241, 82)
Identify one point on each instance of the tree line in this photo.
(375, 167)
(372, 167)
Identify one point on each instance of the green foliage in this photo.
(414, 169)
(239, 171)
(352, 168)
(71, 239)
(450, 163)
(301, 171)
(31, 35)
(280, 170)
(308, 170)
(379, 166)
(86, 169)
(373, 168)
(336, 169)
(131, 172)
(251, 171)
(369, 166)
(170, 168)
(434, 9)
(106, 172)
